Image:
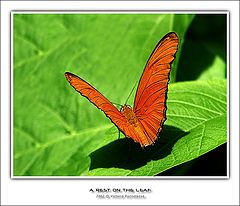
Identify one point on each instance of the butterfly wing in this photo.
(102, 103)
(94, 96)
(150, 99)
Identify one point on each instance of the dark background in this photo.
(210, 30)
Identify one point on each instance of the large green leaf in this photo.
(55, 130)
(197, 124)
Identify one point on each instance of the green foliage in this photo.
(203, 54)
(58, 132)
(196, 124)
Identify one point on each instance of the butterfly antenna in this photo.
(131, 91)
(116, 104)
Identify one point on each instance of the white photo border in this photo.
(68, 192)
(118, 12)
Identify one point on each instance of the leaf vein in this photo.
(194, 105)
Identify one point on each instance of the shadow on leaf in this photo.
(126, 154)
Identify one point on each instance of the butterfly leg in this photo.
(118, 134)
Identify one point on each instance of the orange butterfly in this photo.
(144, 122)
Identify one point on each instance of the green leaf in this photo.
(110, 172)
(216, 71)
(197, 124)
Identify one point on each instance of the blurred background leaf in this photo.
(55, 129)
(204, 51)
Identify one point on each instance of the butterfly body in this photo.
(134, 125)
(129, 114)
(144, 121)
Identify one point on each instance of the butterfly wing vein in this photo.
(150, 100)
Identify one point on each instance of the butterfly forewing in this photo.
(101, 102)
(97, 99)
(150, 99)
